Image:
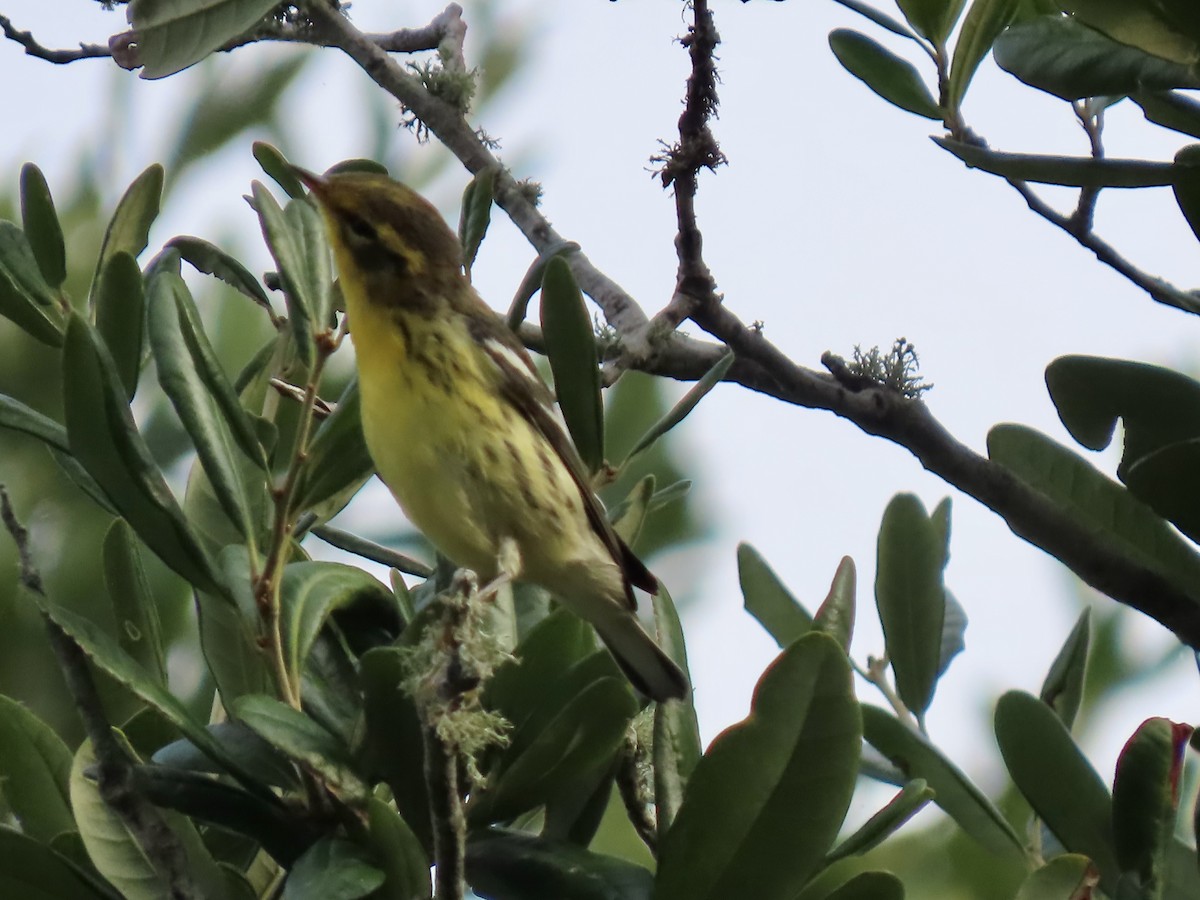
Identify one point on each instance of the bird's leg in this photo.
(508, 567)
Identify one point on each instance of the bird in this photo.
(463, 430)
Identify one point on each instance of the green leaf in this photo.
(571, 348)
(311, 591)
(476, 214)
(916, 757)
(338, 463)
(798, 748)
(297, 736)
(212, 260)
(1057, 780)
(1145, 799)
(1062, 690)
(228, 630)
(297, 242)
(120, 304)
(768, 600)
(1097, 503)
(392, 745)
(275, 164)
(32, 871)
(531, 283)
(870, 886)
(252, 753)
(399, 853)
(582, 738)
(879, 18)
(677, 747)
(107, 655)
(509, 865)
(1067, 877)
(894, 79)
(911, 598)
(933, 19)
(1070, 171)
(906, 804)
(129, 228)
(1169, 109)
(41, 225)
(16, 416)
(836, 614)
(680, 410)
(35, 767)
(25, 297)
(954, 628)
(134, 605)
(1157, 406)
(206, 403)
(1166, 29)
(333, 869)
(1186, 185)
(104, 438)
(984, 22)
(629, 515)
(174, 34)
(1064, 57)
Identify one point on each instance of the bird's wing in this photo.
(520, 384)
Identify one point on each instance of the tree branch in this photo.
(59, 57)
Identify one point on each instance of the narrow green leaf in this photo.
(476, 214)
(1186, 185)
(399, 853)
(581, 739)
(677, 747)
(1168, 481)
(1170, 109)
(1070, 876)
(1057, 780)
(1145, 799)
(629, 515)
(205, 402)
(275, 164)
(253, 754)
(984, 22)
(881, 19)
(1062, 56)
(312, 591)
(40, 222)
(333, 869)
(104, 438)
(1163, 29)
(30, 870)
(954, 628)
(511, 865)
(338, 463)
(120, 305)
(680, 410)
(870, 886)
(531, 283)
(228, 630)
(25, 297)
(298, 246)
(212, 260)
(16, 416)
(1096, 502)
(894, 79)
(129, 228)
(768, 599)
(835, 616)
(35, 767)
(911, 598)
(1062, 690)
(358, 164)
(174, 34)
(107, 655)
(297, 736)
(916, 757)
(906, 804)
(934, 19)
(134, 605)
(571, 348)
(798, 748)
(1070, 171)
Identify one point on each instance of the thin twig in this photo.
(114, 770)
(59, 57)
(360, 546)
(447, 818)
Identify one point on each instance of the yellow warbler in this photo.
(463, 430)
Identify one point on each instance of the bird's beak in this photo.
(314, 183)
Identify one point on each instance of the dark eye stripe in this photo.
(361, 228)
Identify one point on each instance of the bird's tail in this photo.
(644, 663)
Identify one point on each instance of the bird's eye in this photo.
(361, 229)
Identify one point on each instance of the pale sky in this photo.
(836, 223)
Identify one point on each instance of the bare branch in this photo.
(59, 57)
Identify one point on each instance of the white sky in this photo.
(836, 223)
